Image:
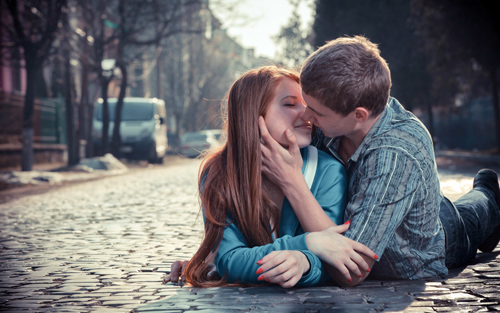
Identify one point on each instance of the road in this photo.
(104, 245)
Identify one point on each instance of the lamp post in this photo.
(107, 73)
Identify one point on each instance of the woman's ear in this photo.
(361, 114)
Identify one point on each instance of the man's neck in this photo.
(351, 142)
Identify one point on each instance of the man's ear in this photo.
(361, 114)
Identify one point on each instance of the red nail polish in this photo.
(259, 271)
(261, 277)
(375, 257)
(268, 280)
(350, 279)
(360, 275)
(348, 222)
(368, 270)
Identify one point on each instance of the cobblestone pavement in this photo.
(103, 246)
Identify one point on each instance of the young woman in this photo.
(250, 227)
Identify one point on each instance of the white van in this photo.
(143, 129)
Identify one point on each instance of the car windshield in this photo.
(187, 137)
(131, 111)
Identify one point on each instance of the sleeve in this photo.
(238, 262)
(384, 191)
(330, 188)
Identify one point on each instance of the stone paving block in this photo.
(365, 309)
(120, 303)
(165, 305)
(416, 310)
(214, 311)
(337, 300)
(21, 304)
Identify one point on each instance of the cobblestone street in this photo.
(104, 245)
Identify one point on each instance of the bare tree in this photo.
(140, 24)
(194, 68)
(30, 28)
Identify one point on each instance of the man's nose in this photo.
(306, 115)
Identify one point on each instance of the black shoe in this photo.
(487, 178)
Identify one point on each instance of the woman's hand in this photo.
(176, 272)
(345, 255)
(283, 267)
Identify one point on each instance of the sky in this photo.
(253, 23)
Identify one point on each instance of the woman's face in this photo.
(285, 111)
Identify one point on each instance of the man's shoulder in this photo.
(403, 131)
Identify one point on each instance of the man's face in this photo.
(331, 123)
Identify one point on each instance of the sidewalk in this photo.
(15, 183)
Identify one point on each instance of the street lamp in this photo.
(108, 67)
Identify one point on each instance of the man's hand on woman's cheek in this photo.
(279, 164)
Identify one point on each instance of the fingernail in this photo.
(348, 222)
(375, 257)
(360, 275)
(350, 279)
(261, 277)
(368, 270)
(259, 271)
(268, 280)
(259, 261)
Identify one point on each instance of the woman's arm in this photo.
(238, 263)
(284, 168)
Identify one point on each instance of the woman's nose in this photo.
(305, 114)
(302, 107)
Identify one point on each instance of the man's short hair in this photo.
(347, 73)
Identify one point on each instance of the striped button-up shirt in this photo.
(394, 196)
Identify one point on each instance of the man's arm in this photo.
(348, 262)
(284, 168)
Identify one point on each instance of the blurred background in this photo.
(82, 78)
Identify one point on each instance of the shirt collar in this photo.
(377, 129)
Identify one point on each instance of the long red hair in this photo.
(230, 179)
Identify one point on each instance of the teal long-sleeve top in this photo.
(238, 261)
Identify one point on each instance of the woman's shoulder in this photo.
(324, 161)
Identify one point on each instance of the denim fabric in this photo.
(467, 223)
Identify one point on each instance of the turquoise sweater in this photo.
(236, 259)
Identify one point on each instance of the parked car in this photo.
(194, 143)
(143, 129)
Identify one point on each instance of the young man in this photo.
(395, 206)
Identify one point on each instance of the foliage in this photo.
(386, 23)
(28, 32)
(462, 40)
(294, 42)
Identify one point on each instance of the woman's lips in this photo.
(304, 125)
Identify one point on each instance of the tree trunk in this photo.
(83, 113)
(70, 115)
(105, 116)
(116, 141)
(32, 69)
(496, 107)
